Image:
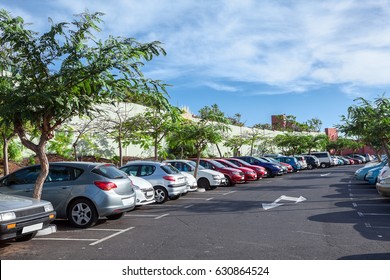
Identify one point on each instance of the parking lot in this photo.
(313, 214)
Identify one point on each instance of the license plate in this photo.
(32, 228)
(149, 193)
(128, 201)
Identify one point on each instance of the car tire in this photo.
(174, 197)
(309, 167)
(82, 213)
(160, 194)
(323, 165)
(203, 183)
(115, 216)
(26, 237)
(229, 182)
(269, 172)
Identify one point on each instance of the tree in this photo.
(215, 115)
(152, 127)
(66, 72)
(369, 121)
(236, 142)
(209, 128)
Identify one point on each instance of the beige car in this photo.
(383, 181)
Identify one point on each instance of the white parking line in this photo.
(374, 214)
(188, 206)
(371, 205)
(110, 236)
(64, 239)
(192, 198)
(162, 216)
(229, 192)
(102, 229)
(140, 215)
(210, 198)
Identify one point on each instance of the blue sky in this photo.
(309, 59)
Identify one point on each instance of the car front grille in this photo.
(28, 212)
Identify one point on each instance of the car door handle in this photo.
(28, 190)
(64, 188)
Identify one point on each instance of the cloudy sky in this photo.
(309, 59)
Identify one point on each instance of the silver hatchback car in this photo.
(79, 191)
(167, 181)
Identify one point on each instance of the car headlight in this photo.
(49, 208)
(216, 177)
(236, 173)
(8, 216)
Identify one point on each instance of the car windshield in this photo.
(261, 160)
(169, 169)
(231, 164)
(193, 163)
(269, 159)
(217, 164)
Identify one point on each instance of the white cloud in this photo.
(292, 45)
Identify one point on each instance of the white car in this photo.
(144, 191)
(192, 184)
(207, 179)
(383, 181)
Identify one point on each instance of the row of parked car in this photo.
(376, 173)
(83, 192)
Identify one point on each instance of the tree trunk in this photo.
(219, 151)
(120, 148)
(75, 151)
(387, 151)
(5, 154)
(197, 163)
(44, 171)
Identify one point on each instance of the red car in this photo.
(261, 171)
(233, 175)
(250, 174)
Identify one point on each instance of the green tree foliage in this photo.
(66, 72)
(236, 142)
(209, 128)
(370, 122)
(151, 127)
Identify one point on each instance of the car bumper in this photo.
(144, 197)
(25, 225)
(176, 189)
(383, 188)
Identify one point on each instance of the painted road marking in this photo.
(110, 236)
(276, 203)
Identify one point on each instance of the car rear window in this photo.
(109, 171)
(169, 169)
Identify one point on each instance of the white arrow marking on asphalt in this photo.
(274, 204)
(267, 206)
(326, 174)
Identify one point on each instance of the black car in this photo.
(312, 161)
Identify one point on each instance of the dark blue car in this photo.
(273, 169)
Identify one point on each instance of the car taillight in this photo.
(170, 178)
(105, 186)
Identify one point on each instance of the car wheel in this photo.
(82, 213)
(160, 194)
(323, 165)
(204, 183)
(229, 182)
(115, 216)
(26, 237)
(174, 197)
(309, 166)
(270, 174)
